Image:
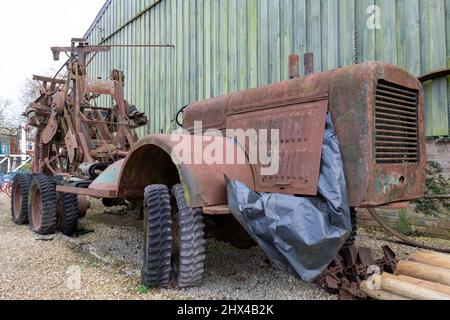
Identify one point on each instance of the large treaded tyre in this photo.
(352, 238)
(19, 198)
(188, 248)
(68, 223)
(42, 212)
(157, 236)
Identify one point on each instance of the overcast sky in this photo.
(28, 28)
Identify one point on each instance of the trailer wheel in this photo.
(188, 248)
(352, 238)
(68, 219)
(42, 213)
(157, 237)
(19, 198)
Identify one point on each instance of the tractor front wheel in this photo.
(157, 237)
(188, 246)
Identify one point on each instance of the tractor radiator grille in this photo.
(396, 124)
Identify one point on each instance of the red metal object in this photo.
(346, 272)
(372, 105)
(435, 75)
(204, 184)
(382, 139)
(301, 128)
(294, 66)
(72, 129)
(309, 63)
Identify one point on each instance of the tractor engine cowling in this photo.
(378, 112)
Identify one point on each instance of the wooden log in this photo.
(433, 259)
(411, 291)
(423, 272)
(422, 283)
(380, 294)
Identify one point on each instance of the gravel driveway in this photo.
(106, 264)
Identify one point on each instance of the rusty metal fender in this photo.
(153, 161)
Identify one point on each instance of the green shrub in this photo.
(26, 168)
(437, 184)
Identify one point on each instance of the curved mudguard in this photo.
(170, 159)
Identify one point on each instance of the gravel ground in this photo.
(109, 262)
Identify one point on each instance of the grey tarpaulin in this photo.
(301, 235)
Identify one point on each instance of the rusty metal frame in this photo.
(65, 106)
(436, 74)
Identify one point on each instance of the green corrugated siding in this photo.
(228, 45)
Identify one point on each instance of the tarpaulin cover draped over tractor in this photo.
(299, 234)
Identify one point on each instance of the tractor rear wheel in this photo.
(19, 198)
(352, 238)
(42, 213)
(68, 216)
(157, 236)
(188, 247)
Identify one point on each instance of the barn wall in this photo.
(227, 45)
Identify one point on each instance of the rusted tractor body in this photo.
(378, 112)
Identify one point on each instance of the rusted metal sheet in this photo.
(309, 63)
(86, 192)
(351, 267)
(354, 104)
(100, 86)
(109, 179)
(294, 66)
(296, 108)
(301, 129)
(435, 75)
(153, 161)
(217, 210)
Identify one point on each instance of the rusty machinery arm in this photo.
(69, 118)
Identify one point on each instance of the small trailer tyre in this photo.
(188, 248)
(157, 237)
(42, 213)
(19, 198)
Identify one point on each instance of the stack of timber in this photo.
(425, 277)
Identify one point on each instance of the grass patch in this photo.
(143, 290)
(92, 265)
(403, 225)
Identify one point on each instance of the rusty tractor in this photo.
(84, 150)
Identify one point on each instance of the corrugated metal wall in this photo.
(226, 45)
